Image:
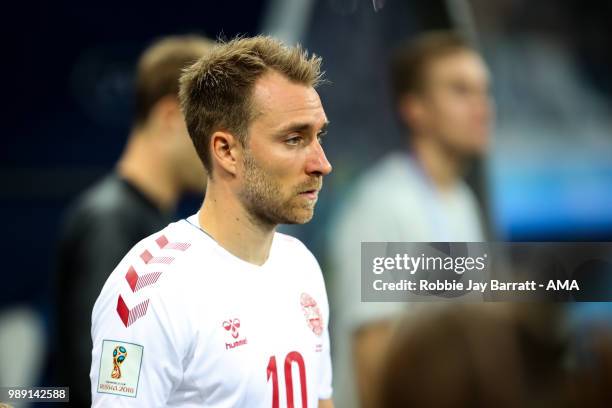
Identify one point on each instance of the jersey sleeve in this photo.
(325, 367)
(140, 335)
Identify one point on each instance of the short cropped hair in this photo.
(160, 67)
(216, 92)
(410, 62)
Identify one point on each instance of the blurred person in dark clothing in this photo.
(441, 94)
(158, 165)
(503, 355)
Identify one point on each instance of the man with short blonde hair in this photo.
(219, 308)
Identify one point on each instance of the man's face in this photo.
(283, 162)
(457, 109)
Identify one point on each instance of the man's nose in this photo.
(317, 163)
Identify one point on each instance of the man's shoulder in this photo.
(154, 265)
(105, 195)
(289, 242)
(162, 251)
(292, 247)
(388, 180)
(292, 254)
(166, 247)
(106, 201)
(390, 173)
(384, 198)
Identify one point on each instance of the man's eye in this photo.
(294, 141)
(460, 89)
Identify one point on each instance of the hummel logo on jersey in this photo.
(232, 326)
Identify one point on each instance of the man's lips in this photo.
(310, 194)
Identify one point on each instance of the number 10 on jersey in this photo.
(272, 372)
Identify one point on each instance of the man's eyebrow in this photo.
(324, 127)
(301, 127)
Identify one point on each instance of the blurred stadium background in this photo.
(68, 79)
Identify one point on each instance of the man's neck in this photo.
(224, 218)
(143, 167)
(442, 166)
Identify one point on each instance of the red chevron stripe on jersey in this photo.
(150, 259)
(129, 316)
(163, 243)
(138, 282)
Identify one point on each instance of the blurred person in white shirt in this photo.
(441, 91)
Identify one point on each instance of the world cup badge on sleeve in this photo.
(120, 364)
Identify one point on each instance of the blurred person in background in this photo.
(158, 165)
(441, 91)
(506, 355)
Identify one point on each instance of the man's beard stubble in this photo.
(263, 197)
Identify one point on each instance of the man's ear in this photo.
(166, 114)
(225, 151)
(410, 109)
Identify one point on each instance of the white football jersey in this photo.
(181, 322)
